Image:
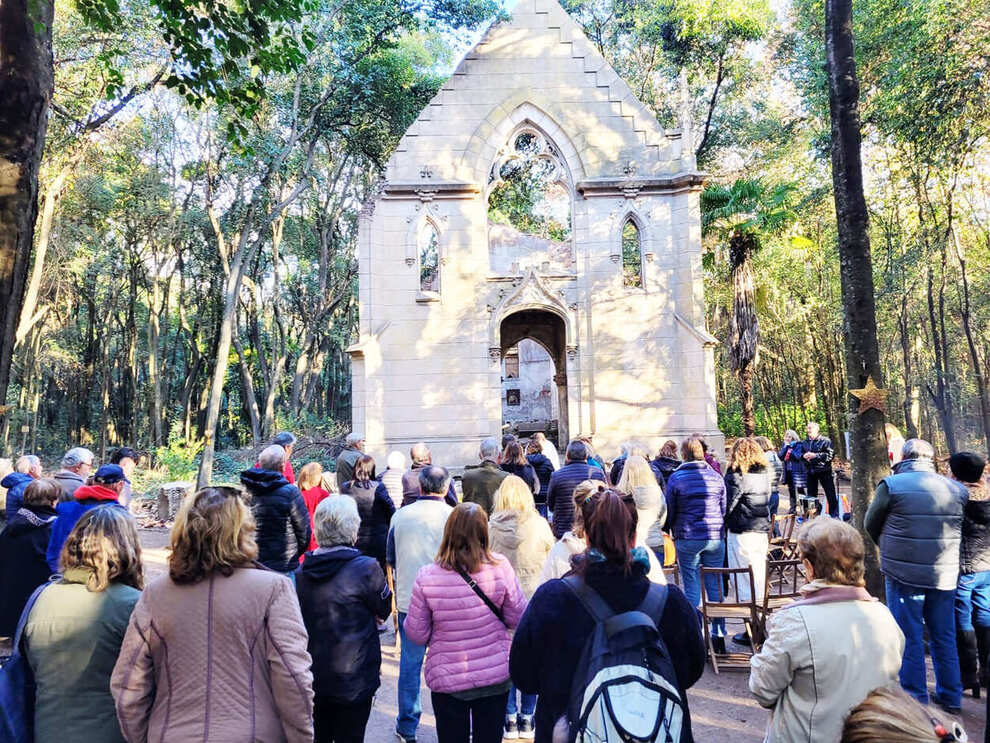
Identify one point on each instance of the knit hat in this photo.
(967, 466)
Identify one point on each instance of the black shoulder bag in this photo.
(481, 595)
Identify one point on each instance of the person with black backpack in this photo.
(604, 634)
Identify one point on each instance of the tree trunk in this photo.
(912, 411)
(746, 388)
(250, 401)
(26, 82)
(869, 448)
(964, 312)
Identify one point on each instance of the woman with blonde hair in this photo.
(827, 651)
(311, 484)
(639, 481)
(463, 607)
(572, 543)
(73, 632)
(747, 516)
(891, 716)
(519, 532)
(229, 629)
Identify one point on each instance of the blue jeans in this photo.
(973, 596)
(410, 666)
(708, 552)
(528, 703)
(912, 608)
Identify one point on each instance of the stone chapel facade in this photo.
(613, 290)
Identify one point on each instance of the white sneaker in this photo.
(511, 731)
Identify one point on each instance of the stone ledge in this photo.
(618, 186)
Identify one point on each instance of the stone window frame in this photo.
(413, 252)
(528, 124)
(647, 252)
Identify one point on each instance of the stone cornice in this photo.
(426, 190)
(634, 186)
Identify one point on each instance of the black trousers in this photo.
(456, 718)
(340, 723)
(828, 483)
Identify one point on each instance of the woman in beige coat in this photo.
(827, 651)
(215, 650)
(518, 531)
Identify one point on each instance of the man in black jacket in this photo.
(818, 455)
(341, 594)
(560, 495)
(283, 529)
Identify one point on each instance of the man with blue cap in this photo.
(103, 490)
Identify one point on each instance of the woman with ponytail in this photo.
(550, 638)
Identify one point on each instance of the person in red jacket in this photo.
(311, 485)
(287, 441)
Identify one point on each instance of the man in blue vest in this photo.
(916, 517)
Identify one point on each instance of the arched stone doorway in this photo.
(549, 331)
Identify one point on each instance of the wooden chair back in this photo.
(731, 608)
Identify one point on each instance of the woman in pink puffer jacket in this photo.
(467, 663)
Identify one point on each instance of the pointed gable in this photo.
(538, 68)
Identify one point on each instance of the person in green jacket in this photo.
(74, 631)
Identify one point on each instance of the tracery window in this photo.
(529, 203)
(429, 259)
(632, 255)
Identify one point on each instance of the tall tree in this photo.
(743, 216)
(868, 445)
(26, 79)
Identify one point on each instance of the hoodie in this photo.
(283, 528)
(16, 483)
(22, 561)
(341, 594)
(69, 513)
(525, 539)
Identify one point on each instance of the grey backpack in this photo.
(626, 687)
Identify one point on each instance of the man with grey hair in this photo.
(27, 468)
(560, 495)
(342, 594)
(287, 441)
(421, 457)
(76, 466)
(916, 518)
(283, 529)
(479, 483)
(353, 450)
(818, 453)
(413, 541)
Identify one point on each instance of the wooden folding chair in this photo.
(734, 609)
(783, 585)
(673, 574)
(783, 546)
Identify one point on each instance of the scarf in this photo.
(823, 592)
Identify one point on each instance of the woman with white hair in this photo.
(392, 476)
(341, 594)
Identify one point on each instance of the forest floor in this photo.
(722, 708)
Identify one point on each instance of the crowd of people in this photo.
(527, 601)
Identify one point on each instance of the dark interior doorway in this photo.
(547, 329)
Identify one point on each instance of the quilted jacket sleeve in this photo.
(785, 650)
(132, 683)
(299, 515)
(418, 624)
(289, 664)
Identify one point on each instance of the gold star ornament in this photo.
(871, 397)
